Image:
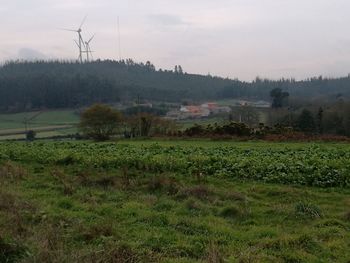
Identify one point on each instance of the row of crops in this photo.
(313, 165)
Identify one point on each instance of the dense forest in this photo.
(62, 84)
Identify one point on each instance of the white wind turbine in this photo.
(88, 50)
(80, 43)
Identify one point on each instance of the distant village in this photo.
(175, 111)
(211, 108)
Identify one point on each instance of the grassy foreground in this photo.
(85, 202)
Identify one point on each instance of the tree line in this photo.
(101, 122)
(64, 84)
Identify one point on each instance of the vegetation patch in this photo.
(10, 251)
(307, 210)
(141, 203)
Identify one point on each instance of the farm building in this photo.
(194, 111)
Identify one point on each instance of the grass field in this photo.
(45, 123)
(147, 201)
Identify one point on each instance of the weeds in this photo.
(214, 255)
(62, 178)
(303, 242)
(307, 210)
(11, 252)
(235, 196)
(201, 192)
(126, 177)
(193, 205)
(165, 184)
(121, 215)
(120, 253)
(96, 231)
(12, 172)
(50, 244)
(231, 212)
(15, 212)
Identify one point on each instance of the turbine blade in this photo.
(66, 29)
(91, 38)
(82, 23)
(76, 42)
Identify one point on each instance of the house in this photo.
(210, 105)
(194, 111)
(214, 108)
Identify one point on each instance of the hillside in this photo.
(38, 85)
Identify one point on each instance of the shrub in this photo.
(99, 122)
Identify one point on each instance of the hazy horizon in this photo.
(229, 38)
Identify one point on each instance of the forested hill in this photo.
(67, 84)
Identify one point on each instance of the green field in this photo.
(45, 123)
(174, 201)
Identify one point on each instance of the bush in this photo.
(99, 122)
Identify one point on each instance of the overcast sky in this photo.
(230, 38)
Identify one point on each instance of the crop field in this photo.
(174, 201)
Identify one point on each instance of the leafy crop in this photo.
(312, 165)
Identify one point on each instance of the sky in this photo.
(230, 38)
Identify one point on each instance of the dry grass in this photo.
(50, 244)
(163, 184)
(236, 196)
(12, 172)
(15, 212)
(201, 192)
(307, 210)
(214, 255)
(68, 188)
(10, 251)
(347, 216)
(115, 253)
(96, 231)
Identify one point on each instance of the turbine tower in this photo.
(88, 50)
(80, 43)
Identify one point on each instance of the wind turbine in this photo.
(88, 50)
(80, 43)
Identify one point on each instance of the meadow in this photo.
(45, 123)
(174, 201)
